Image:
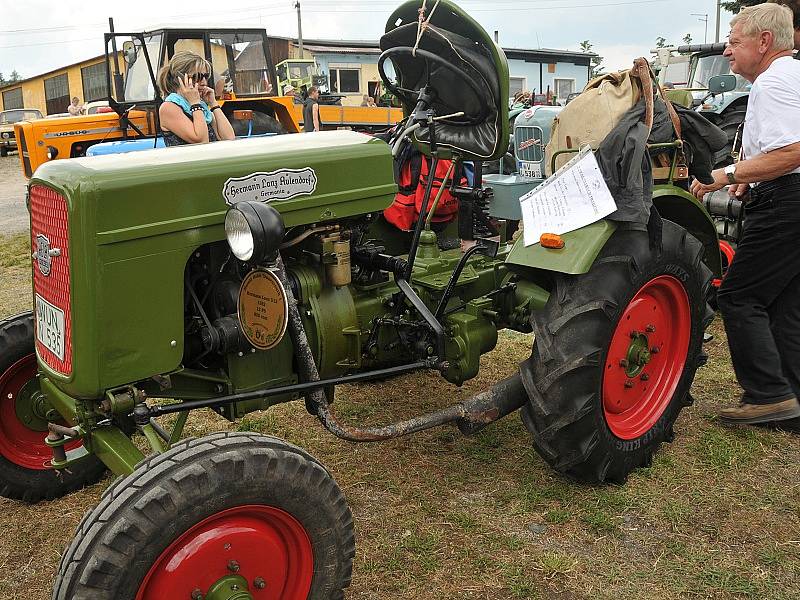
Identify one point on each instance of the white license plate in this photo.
(50, 326)
(530, 170)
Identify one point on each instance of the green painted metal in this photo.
(63, 403)
(681, 207)
(177, 428)
(155, 441)
(115, 449)
(107, 442)
(581, 247)
(31, 406)
(229, 587)
(136, 218)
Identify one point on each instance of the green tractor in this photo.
(238, 275)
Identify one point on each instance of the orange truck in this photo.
(353, 117)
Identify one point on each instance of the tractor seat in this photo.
(456, 58)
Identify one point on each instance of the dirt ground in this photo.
(13, 214)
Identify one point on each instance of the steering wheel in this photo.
(409, 96)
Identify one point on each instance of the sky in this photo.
(38, 36)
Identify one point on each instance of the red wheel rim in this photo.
(19, 443)
(646, 357)
(726, 254)
(264, 542)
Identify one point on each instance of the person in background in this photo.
(759, 294)
(76, 108)
(311, 120)
(190, 113)
(365, 101)
(288, 90)
(371, 101)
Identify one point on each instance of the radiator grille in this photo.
(49, 219)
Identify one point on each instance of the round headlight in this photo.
(5, 135)
(240, 237)
(254, 231)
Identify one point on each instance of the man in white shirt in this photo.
(760, 295)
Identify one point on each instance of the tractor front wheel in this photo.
(229, 515)
(615, 353)
(24, 414)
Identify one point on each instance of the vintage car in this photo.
(7, 119)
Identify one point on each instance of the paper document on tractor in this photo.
(574, 196)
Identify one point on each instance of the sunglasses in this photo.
(200, 76)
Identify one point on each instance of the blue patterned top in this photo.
(187, 108)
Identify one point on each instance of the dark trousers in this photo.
(760, 296)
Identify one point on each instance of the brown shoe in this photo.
(751, 414)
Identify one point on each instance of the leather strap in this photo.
(642, 70)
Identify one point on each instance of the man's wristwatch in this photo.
(730, 172)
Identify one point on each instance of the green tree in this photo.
(661, 42)
(734, 6)
(586, 46)
(2, 79)
(14, 76)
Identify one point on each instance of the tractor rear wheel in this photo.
(229, 515)
(615, 353)
(24, 456)
(729, 122)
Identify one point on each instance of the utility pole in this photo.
(719, 8)
(299, 28)
(704, 19)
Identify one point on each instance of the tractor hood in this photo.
(126, 224)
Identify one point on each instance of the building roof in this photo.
(51, 71)
(326, 49)
(373, 47)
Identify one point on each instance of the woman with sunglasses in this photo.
(190, 113)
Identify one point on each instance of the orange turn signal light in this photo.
(243, 115)
(552, 240)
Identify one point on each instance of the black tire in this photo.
(142, 514)
(262, 124)
(20, 446)
(565, 376)
(729, 122)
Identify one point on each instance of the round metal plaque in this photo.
(263, 309)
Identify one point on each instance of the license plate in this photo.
(50, 326)
(530, 170)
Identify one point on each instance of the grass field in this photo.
(439, 515)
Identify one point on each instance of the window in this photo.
(242, 60)
(56, 93)
(345, 81)
(564, 87)
(516, 85)
(12, 99)
(94, 82)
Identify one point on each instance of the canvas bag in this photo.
(593, 114)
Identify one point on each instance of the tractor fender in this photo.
(581, 247)
(679, 206)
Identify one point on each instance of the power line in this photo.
(514, 7)
(258, 8)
